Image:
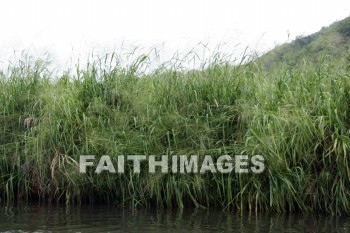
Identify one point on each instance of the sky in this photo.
(74, 29)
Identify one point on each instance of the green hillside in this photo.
(331, 43)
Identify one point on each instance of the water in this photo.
(112, 219)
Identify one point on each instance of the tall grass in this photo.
(297, 118)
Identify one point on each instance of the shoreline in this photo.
(297, 118)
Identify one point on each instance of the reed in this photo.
(297, 118)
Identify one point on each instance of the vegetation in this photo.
(296, 117)
(332, 43)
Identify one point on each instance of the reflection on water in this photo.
(112, 219)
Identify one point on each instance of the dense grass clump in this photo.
(297, 118)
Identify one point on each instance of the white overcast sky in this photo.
(75, 28)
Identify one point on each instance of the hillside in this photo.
(331, 43)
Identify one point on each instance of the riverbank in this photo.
(296, 118)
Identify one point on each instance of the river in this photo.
(86, 218)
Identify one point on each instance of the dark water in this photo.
(112, 219)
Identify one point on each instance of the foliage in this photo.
(297, 118)
(332, 41)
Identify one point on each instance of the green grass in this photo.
(297, 118)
